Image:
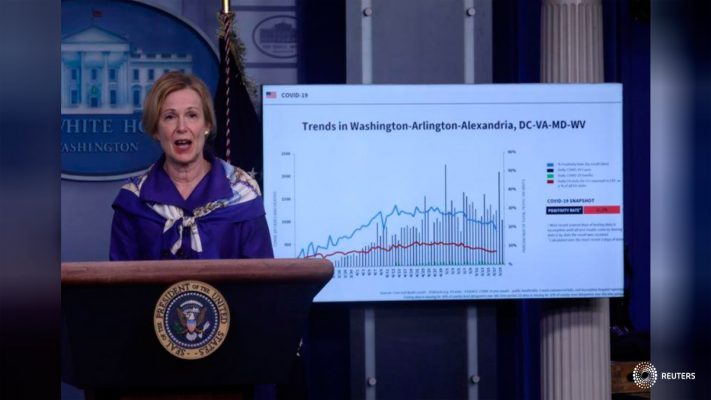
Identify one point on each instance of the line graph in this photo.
(452, 234)
(458, 208)
(313, 248)
(400, 246)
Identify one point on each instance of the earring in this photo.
(207, 133)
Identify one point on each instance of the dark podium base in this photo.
(109, 342)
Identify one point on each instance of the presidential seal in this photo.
(191, 320)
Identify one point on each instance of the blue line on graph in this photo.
(312, 249)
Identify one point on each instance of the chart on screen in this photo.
(445, 192)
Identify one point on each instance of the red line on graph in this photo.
(400, 246)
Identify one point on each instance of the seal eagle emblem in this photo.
(193, 326)
(191, 319)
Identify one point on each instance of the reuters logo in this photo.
(644, 375)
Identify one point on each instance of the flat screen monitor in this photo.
(443, 192)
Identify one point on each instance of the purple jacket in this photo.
(222, 218)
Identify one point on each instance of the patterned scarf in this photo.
(244, 189)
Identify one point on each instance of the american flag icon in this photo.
(271, 95)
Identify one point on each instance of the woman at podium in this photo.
(189, 204)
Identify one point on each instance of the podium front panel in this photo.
(109, 339)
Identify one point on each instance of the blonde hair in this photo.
(167, 84)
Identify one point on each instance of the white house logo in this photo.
(111, 54)
(644, 375)
(191, 320)
(276, 36)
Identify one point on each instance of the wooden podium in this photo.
(110, 345)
